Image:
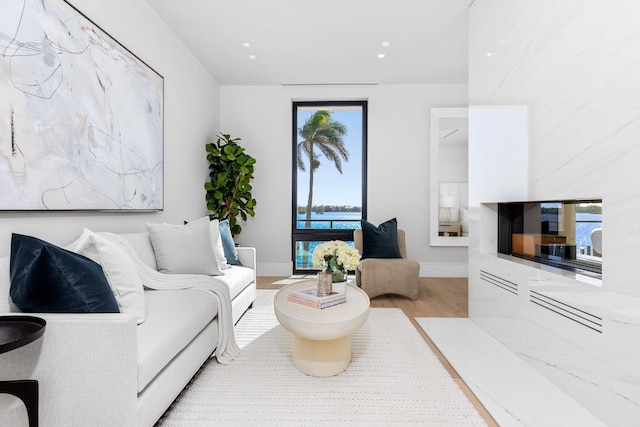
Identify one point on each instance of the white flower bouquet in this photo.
(336, 257)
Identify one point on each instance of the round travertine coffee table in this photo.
(321, 338)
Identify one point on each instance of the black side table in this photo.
(15, 332)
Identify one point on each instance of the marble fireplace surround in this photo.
(542, 346)
(577, 334)
(554, 102)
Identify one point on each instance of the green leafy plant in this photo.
(229, 186)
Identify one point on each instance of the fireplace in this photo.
(565, 234)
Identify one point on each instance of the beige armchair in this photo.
(379, 276)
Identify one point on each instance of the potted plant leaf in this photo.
(229, 186)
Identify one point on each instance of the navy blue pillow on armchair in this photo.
(48, 279)
(380, 241)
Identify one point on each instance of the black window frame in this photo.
(321, 235)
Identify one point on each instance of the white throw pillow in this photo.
(216, 240)
(184, 248)
(118, 267)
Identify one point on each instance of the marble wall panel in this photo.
(575, 66)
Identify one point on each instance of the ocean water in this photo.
(326, 220)
(340, 220)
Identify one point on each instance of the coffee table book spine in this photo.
(314, 304)
(311, 295)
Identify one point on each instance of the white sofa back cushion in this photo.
(119, 269)
(184, 249)
(216, 241)
(141, 244)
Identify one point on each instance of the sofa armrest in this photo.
(247, 256)
(86, 368)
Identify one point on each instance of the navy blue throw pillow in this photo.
(228, 245)
(48, 279)
(380, 241)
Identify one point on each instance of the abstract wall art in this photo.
(81, 117)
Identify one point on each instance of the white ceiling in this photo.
(324, 42)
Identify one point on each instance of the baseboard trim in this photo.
(444, 269)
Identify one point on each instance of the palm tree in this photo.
(321, 136)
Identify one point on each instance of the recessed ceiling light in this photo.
(385, 44)
(252, 57)
(246, 44)
(489, 53)
(381, 55)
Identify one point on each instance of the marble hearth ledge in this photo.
(512, 391)
(581, 278)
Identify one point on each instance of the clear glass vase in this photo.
(338, 274)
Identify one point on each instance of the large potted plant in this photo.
(229, 186)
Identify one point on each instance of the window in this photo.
(329, 175)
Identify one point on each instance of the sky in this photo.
(330, 187)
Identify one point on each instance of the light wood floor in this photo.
(438, 297)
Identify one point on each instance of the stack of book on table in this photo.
(309, 297)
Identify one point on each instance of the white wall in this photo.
(574, 67)
(398, 159)
(191, 119)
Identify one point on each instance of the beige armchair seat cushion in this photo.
(379, 276)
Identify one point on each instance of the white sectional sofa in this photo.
(105, 369)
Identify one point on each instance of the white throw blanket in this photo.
(226, 349)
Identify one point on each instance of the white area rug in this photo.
(295, 278)
(394, 379)
(264, 297)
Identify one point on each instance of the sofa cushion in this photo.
(228, 244)
(380, 241)
(216, 241)
(48, 279)
(237, 278)
(173, 319)
(141, 244)
(218, 249)
(119, 269)
(184, 248)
